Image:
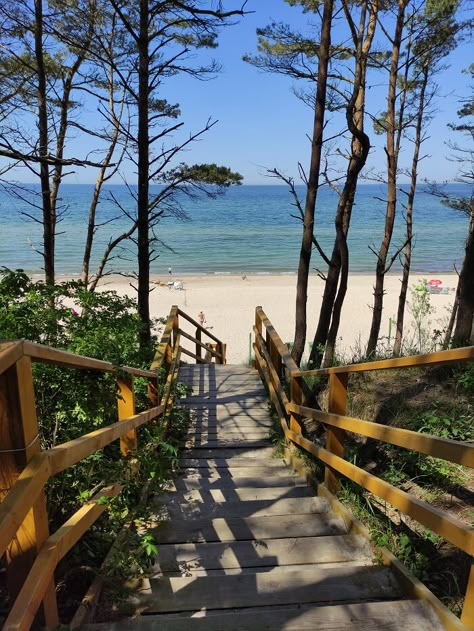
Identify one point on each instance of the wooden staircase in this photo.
(245, 544)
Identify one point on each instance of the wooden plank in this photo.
(126, 409)
(177, 509)
(451, 450)
(19, 432)
(409, 615)
(230, 472)
(242, 528)
(231, 432)
(246, 590)
(263, 553)
(197, 494)
(225, 463)
(239, 452)
(440, 522)
(238, 484)
(63, 456)
(23, 612)
(440, 358)
(225, 443)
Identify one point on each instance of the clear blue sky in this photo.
(263, 125)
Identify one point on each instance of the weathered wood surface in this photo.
(243, 540)
(409, 615)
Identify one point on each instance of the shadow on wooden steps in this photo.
(246, 545)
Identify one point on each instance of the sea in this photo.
(248, 230)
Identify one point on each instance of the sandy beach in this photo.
(229, 301)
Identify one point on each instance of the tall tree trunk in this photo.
(143, 228)
(409, 217)
(392, 167)
(49, 218)
(463, 331)
(312, 186)
(328, 323)
(360, 148)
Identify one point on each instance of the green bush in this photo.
(72, 402)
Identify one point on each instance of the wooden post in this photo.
(335, 436)
(258, 327)
(19, 433)
(126, 408)
(198, 347)
(467, 616)
(175, 332)
(296, 397)
(152, 391)
(222, 350)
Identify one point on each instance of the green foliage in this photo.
(71, 403)
(423, 340)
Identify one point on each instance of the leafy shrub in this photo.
(71, 402)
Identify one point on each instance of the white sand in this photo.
(229, 305)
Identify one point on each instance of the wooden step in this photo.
(223, 415)
(254, 469)
(225, 443)
(228, 494)
(204, 483)
(224, 463)
(263, 553)
(179, 509)
(245, 528)
(310, 585)
(264, 453)
(406, 615)
(228, 432)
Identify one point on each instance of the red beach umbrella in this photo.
(435, 282)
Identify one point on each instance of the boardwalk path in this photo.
(247, 545)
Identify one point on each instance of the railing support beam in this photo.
(335, 436)
(467, 616)
(296, 394)
(19, 433)
(126, 409)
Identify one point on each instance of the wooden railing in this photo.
(31, 553)
(274, 362)
(214, 349)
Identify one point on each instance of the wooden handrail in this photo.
(199, 326)
(444, 448)
(199, 343)
(10, 352)
(270, 352)
(281, 347)
(53, 550)
(440, 358)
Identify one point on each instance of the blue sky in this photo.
(263, 125)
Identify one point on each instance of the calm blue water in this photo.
(249, 230)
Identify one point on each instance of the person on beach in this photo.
(169, 271)
(201, 318)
